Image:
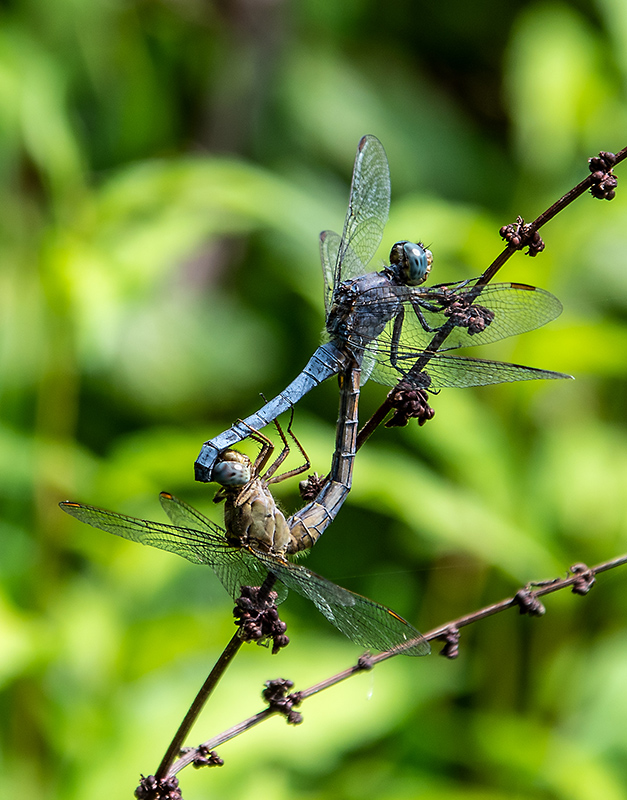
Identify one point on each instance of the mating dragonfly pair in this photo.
(380, 325)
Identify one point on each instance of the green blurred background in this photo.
(166, 168)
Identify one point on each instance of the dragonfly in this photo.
(383, 322)
(257, 540)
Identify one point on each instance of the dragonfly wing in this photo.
(362, 620)
(233, 566)
(242, 569)
(368, 208)
(182, 514)
(501, 309)
(442, 371)
(368, 364)
(329, 248)
(351, 264)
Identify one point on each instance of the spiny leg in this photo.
(396, 338)
(296, 470)
(418, 304)
(300, 447)
(396, 341)
(284, 451)
(328, 360)
(267, 448)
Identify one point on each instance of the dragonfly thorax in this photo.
(410, 263)
(361, 309)
(252, 518)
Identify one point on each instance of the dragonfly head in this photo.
(233, 469)
(411, 262)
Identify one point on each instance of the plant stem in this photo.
(536, 589)
(196, 707)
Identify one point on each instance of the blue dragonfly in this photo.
(381, 323)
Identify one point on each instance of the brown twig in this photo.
(580, 577)
(196, 707)
(229, 653)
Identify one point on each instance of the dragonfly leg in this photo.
(326, 361)
(284, 450)
(267, 448)
(296, 470)
(418, 306)
(396, 338)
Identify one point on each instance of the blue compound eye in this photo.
(412, 262)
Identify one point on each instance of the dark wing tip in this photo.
(526, 286)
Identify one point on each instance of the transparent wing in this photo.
(368, 364)
(368, 208)
(233, 566)
(183, 515)
(516, 308)
(364, 622)
(329, 248)
(351, 264)
(504, 309)
(442, 371)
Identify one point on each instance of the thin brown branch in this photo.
(196, 707)
(220, 667)
(580, 578)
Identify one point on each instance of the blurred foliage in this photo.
(165, 170)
